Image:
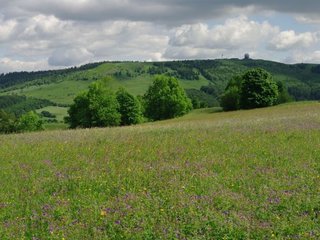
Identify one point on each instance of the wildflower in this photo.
(103, 213)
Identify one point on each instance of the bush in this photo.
(47, 114)
(29, 122)
(166, 99)
(7, 122)
(230, 100)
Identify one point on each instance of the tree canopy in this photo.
(129, 107)
(98, 107)
(166, 99)
(254, 89)
(258, 89)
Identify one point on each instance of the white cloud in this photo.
(42, 26)
(11, 65)
(235, 37)
(287, 40)
(70, 57)
(6, 29)
(234, 33)
(312, 19)
(304, 57)
(69, 32)
(68, 43)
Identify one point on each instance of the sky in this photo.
(51, 34)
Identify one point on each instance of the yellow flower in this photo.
(103, 213)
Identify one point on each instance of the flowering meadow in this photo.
(251, 174)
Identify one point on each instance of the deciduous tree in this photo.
(166, 99)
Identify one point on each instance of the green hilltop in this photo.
(203, 80)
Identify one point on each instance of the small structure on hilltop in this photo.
(246, 56)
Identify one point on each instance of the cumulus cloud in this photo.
(235, 37)
(6, 29)
(310, 19)
(304, 57)
(287, 40)
(68, 43)
(11, 65)
(234, 33)
(51, 33)
(69, 57)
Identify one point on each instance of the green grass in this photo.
(62, 92)
(209, 175)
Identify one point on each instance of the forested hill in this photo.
(204, 80)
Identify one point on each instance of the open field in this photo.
(209, 175)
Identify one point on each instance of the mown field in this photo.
(209, 175)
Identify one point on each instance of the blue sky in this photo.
(48, 34)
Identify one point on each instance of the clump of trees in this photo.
(166, 99)
(254, 89)
(101, 107)
(28, 122)
(98, 107)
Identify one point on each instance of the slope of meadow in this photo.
(209, 175)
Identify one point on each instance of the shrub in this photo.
(7, 122)
(230, 100)
(29, 122)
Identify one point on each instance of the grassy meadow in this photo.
(208, 175)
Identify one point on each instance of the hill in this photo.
(204, 80)
(237, 175)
